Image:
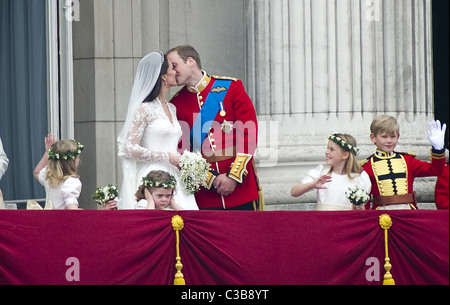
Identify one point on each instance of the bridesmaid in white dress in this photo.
(149, 139)
(332, 181)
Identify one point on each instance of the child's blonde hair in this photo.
(155, 179)
(351, 164)
(384, 124)
(61, 168)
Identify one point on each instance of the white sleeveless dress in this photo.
(333, 198)
(151, 137)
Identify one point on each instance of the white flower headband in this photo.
(344, 145)
(65, 155)
(154, 183)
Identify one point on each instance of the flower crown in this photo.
(344, 145)
(154, 183)
(66, 155)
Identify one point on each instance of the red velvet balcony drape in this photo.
(224, 248)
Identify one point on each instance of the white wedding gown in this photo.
(151, 137)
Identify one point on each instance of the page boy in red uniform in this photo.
(392, 173)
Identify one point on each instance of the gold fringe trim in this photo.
(178, 225)
(386, 223)
(262, 202)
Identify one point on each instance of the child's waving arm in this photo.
(303, 188)
(49, 140)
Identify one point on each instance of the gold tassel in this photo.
(262, 203)
(178, 225)
(386, 223)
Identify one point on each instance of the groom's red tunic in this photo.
(231, 141)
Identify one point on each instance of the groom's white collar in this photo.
(202, 84)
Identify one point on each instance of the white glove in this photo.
(436, 134)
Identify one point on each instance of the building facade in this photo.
(312, 68)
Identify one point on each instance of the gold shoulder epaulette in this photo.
(363, 162)
(408, 153)
(226, 77)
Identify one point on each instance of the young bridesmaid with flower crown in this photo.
(57, 172)
(156, 192)
(334, 180)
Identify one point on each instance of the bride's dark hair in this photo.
(155, 92)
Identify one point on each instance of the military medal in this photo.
(222, 110)
(227, 127)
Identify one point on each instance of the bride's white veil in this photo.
(147, 75)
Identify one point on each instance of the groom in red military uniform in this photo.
(223, 126)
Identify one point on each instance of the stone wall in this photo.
(312, 68)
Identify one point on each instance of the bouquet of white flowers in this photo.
(104, 194)
(357, 196)
(194, 171)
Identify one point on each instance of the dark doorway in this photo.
(23, 95)
(441, 62)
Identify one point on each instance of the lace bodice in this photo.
(153, 134)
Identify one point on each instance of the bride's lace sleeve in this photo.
(132, 148)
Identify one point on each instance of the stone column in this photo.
(107, 48)
(332, 66)
(109, 41)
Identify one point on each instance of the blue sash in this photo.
(208, 113)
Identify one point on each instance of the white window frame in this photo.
(60, 68)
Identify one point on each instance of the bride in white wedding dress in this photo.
(149, 138)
